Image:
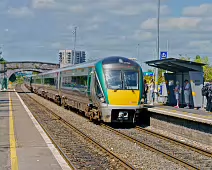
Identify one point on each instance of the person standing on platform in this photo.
(205, 92)
(187, 92)
(177, 92)
(152, 91)
(209, 98)
(145, 91)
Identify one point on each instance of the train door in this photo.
(90, 83)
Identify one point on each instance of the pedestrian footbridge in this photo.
(9, 68)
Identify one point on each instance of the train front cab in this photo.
(121, 81)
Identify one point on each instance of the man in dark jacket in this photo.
(207, 92)
(209, 97)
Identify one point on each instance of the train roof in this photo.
(107, 60)
(81, 65)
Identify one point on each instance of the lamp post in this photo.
(158, 47)
(75, 39)
(139, 53)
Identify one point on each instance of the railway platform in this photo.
(192, 124)
(23, 143)
(188, 114)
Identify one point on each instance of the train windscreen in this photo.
(122, 79)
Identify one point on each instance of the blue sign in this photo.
(163, 55)
(148, 73)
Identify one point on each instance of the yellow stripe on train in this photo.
(124, 97)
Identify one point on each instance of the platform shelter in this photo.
(181, 70)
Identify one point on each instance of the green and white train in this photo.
(108, 89)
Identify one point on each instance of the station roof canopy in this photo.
(176, 65)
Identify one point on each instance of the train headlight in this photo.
(102, 99)
(123, 114)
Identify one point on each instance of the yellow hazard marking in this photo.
(13, 155)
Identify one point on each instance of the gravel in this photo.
(82, 154)
(180, 152)
(180, 138)
(136, 155)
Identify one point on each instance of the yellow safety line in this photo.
(13, 155)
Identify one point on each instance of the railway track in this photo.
(78, 149)
(189, 157)
(186, 155)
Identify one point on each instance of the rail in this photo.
(191, 147)
(169, 157)
(108, 152)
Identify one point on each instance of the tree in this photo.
(184, 57)
(2, 61)
(161, 78)
(207, 69)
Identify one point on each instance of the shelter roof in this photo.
(176, 65)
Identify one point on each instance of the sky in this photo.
(35, 30)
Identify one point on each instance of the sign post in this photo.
(163, 55)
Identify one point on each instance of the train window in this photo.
(38, 81)
(98, 90)
(122, 79)
(66, 81)
(49, 81)
(131, 80)
(113, 79)
(75, 81)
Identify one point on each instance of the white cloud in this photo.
(56, 45)
(20, 12)
(107, 27)
(97, 19)
(143, 35)
(202, 43)
(134, 9)
(43, 3)
(79, 8)
(181, 23)
(201, 10)
(92, 27)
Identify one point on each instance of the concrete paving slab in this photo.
(32, 151)
(35, 158)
